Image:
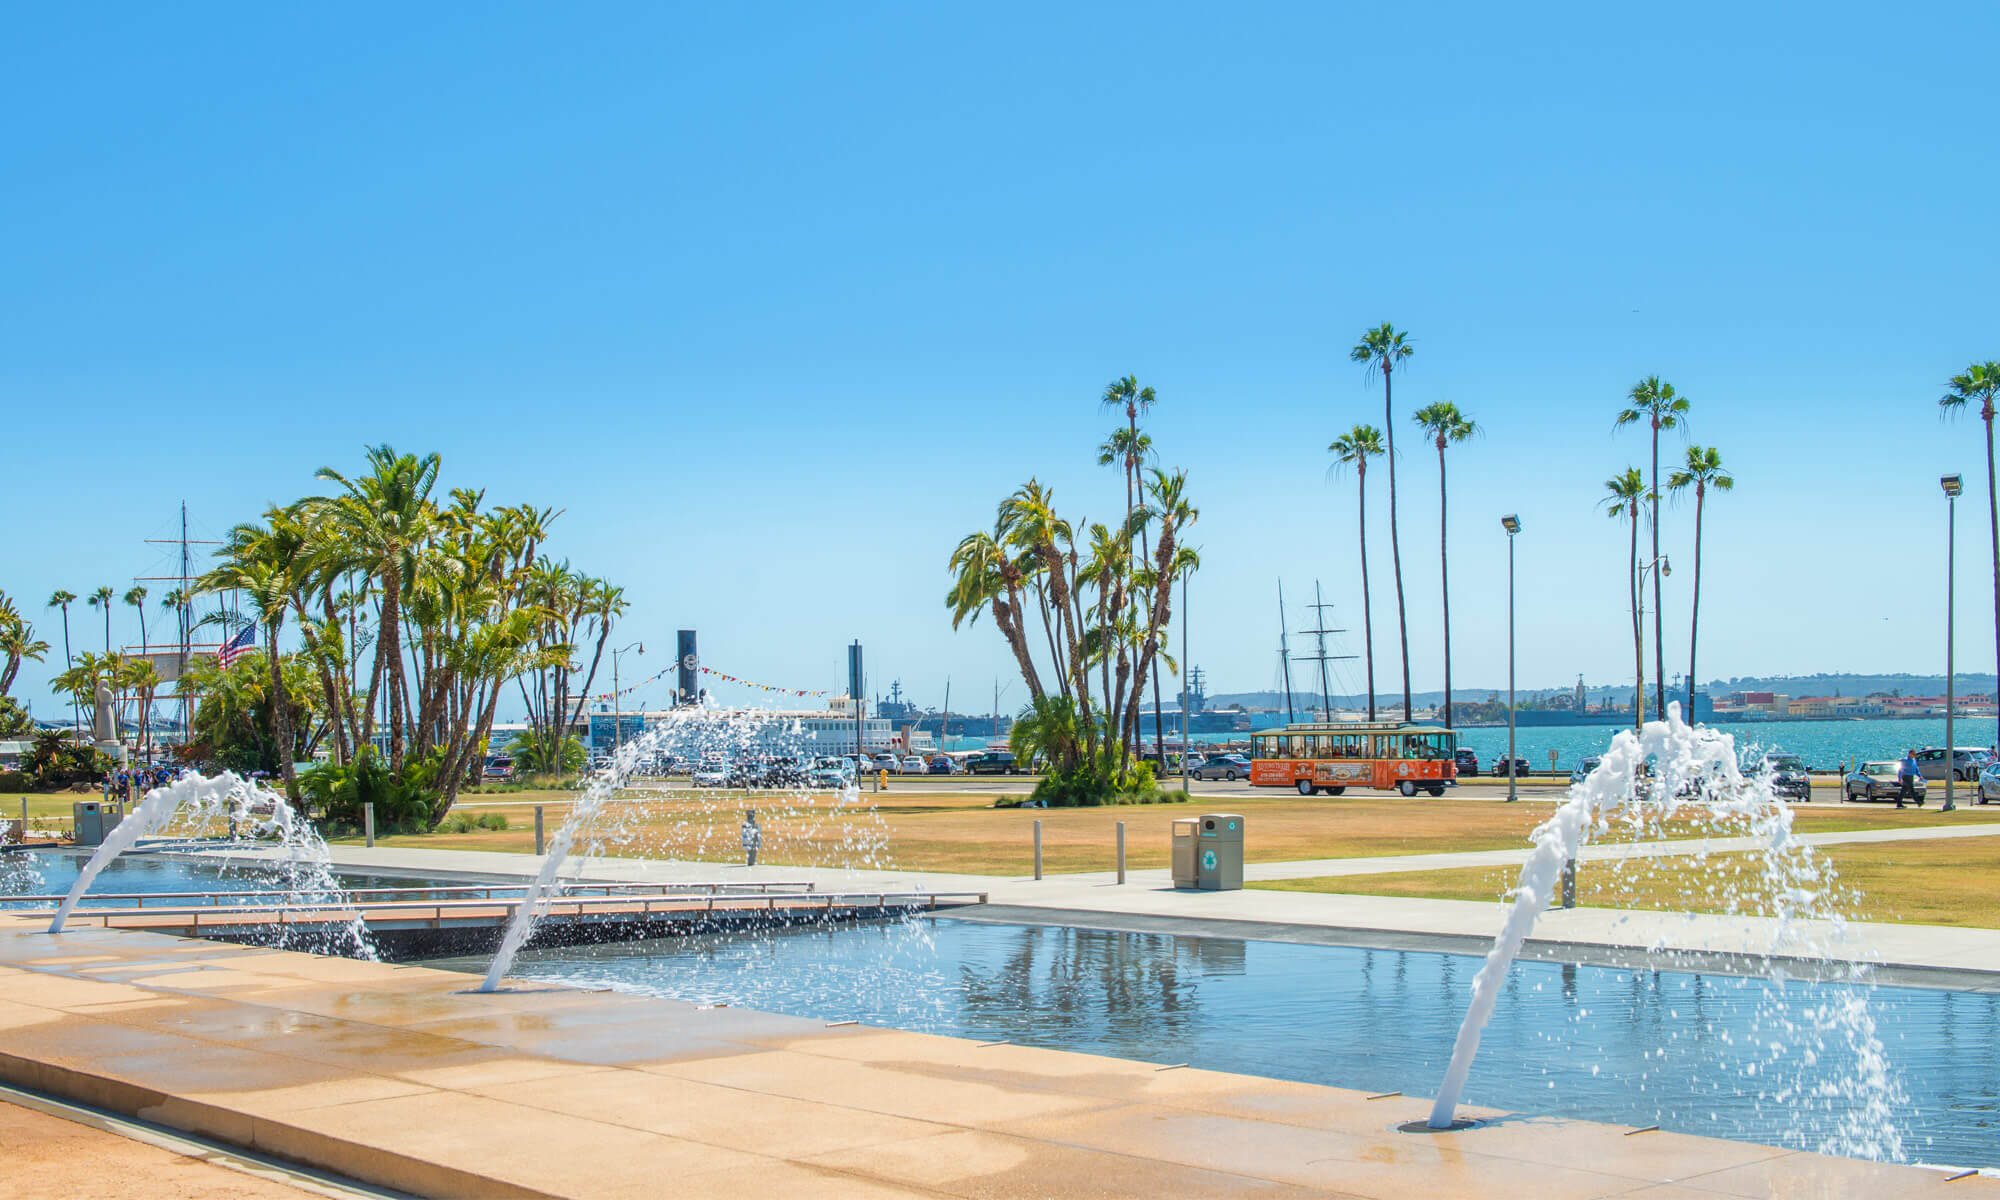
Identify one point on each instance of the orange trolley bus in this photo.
(1330, 758)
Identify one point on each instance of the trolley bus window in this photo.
(1427, 745)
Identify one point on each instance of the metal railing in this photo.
(578, 907)
(483, 891)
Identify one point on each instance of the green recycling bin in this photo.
(1219, 853)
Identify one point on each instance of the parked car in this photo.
(945, 764)
(711, 774)
(831, 773)
(1790, 777)
(1520, 767)
(885, 762)
(1583, 769)
(780, 773)
(1230, 767)
(993, 762)
(1877, 781)
(499, 767)
(913, 764)
(1966, 762)
(1467, 761)
(1989, 784)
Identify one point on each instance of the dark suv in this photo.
(993, 762)
(1789, 776)
(1468, 762)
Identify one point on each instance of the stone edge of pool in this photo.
(399, 1077)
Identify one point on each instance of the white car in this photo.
(913, 765)
(885, 762)
(711, 774)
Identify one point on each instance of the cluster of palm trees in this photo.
(1094, 598)
(1383, 349)
(412, 611)
(1632, 494)
(18, 644)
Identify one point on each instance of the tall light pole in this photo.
(1512, 524)
(617, 700)
(1184, 684)
(1665, 569)
(1952, 487)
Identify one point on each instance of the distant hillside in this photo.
(1829, 684)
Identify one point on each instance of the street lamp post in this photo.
(617, 700)
(1184, 685)
(1512, 524)
(1952, 487)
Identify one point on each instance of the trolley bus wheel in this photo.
(1436, 789)
(1305, 787)
(1408, 787)
(1335, 791)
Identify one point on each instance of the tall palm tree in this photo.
(264, 563)
(1980, 384)
(101, 598)
(1381, 348)
(1353, 449)
(1446, 425)
(1704, 470)
(1653, 400)
(136, 597)
(1127, 394)
(63, 599)
(1624, 496)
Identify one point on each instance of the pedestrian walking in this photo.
(753, 837)
(1907, 774)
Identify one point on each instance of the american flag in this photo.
(243, 643)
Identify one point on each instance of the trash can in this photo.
(1219, 862)
(1186, 832)
(88, 818)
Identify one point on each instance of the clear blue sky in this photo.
(777, 302)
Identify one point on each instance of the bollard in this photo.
(24, 818)
(368, 821)
(1121, 852)
(538, 829)
(1038, 849)
(1569, 883)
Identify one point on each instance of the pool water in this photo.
(1697, 1053)
(52, 872)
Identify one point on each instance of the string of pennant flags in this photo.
(726, 678)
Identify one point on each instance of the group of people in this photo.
(136, 782)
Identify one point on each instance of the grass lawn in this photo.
(1949, 881)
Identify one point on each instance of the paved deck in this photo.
(400, 1077)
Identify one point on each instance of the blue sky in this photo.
(776, 303)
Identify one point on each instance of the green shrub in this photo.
(15, 781)
(1094, 783)
(458, 823)
(492, 820)
(402, 802)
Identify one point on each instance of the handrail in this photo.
(139, 899)
(573, 906)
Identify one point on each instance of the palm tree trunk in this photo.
(1638, 593)
(281, 714)
(392, 644)
(1659, 645)
(69, 662)
(1444, 576)
(1694, 620)
(1367, 613)
(1993, 517)
(1395, 540)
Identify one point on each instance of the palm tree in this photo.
(1704, 470)
(1353, 449)
(101, 598)
(1624, 496)
(1653, 400)
(17, 642)
(264, 563)
(384, 517)
(136, 597)
(63, 599)
(1381, 348)
(1446, 425)
(1980, 383)
(1127, 394)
